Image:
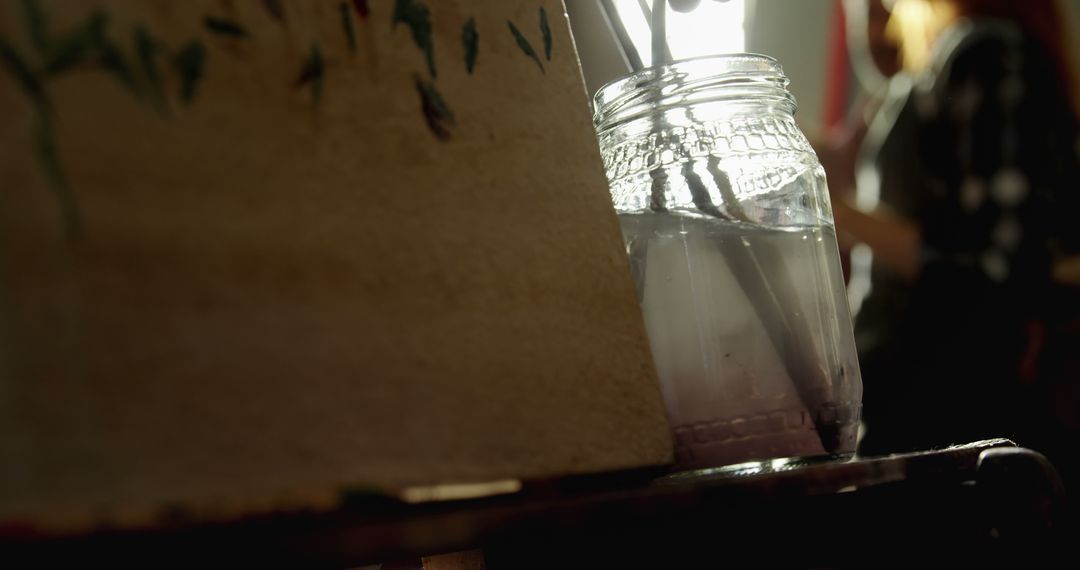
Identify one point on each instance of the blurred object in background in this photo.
(861, 48)
(875, 57)
(972, 170)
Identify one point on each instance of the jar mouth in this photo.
(742, 77)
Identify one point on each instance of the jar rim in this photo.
(732, 77)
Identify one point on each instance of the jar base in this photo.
(761, 437)
(749, 468)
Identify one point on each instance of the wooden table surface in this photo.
(978, 500)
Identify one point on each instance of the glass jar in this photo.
(726, 218)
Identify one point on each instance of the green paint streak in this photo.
(318, 73)
(76, 46)
(88, 43)
(34, 20)
(49, 161)
(347, 25)
(471, 40)
(112, 60)
(24, 77)
(44, 138)
(224, 27)
(524, 44)
(417, 17)
(437, 113)
(545, 31)
(275, 9)
(147, 49)
(189, 63)
(312, 73)
(437, 102)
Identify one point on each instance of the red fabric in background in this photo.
(837, 70)
(837, 90)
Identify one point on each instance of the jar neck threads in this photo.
(727, 80)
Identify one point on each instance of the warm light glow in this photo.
(711, 28)
(915, 25)
(459, 491)
(860, 284)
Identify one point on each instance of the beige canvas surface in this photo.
(277, 277)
